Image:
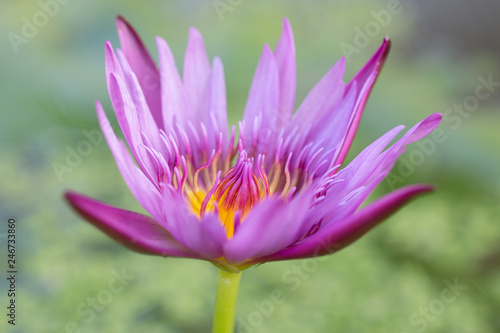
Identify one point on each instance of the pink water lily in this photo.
(270, 188)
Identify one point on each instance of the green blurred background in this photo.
(393, 280)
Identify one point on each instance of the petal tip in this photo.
(267, 50)
(122, 25)
(193, 32)
(120, 20)
(68, 195)
(74, 199)
(437, 116)
(422, 188)
(108, 46)
(385, 48)
(287, 27)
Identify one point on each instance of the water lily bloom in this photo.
(271, 187)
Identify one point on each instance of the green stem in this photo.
(225, 302)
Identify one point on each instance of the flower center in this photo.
(234, 195)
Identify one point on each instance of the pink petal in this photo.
(218, 107)
(365, 80)
(322, 98)
(142, 65)
(269, 227)
(338, 236)
(364, 165)
(311, 118)
(145, 120)
(173, 97)
(423, 128)
(285, 59)
(340, 224)
(196, 74)
(366, 170)
(127, 116)
(136, 231)
(141, 187)
(328, 132)
(125, 107)
(352, 178)
(262, 104)
(205, 237)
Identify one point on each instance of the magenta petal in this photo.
(365, 80)
(205, 237)
(269, 227)
(423, 128)
(196, 74)
(328, 132)
(339, 235)
(352, 184)
(128, 111)
(322, 98)
(143, 190)
(285, 59)
(355, 182)
(126, 117)
(142, 65)
(263, 101)
(218, 108)
(146, 122)
(173, 97)
(138, 232)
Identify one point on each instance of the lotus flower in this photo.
(270, 188)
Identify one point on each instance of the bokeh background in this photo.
(396, 279)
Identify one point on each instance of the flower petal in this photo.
(356, 181)
(130, 113)
(142, 65)
(218, 108)
(328, 133)
(336, 216)
(365, 80)
(126, 118)
(371, 160)
(285, 59)
(319, 103)
(173, 97)
(138, 232)
(196, 75)
(338, 236)
(270, 226)
(127, 115)
(423, 128)
(141, 187)
(262, 105)
(322, 98)
(146, 122)
(348, 184)
(205, 237)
